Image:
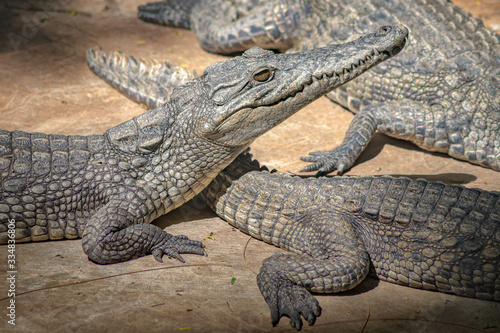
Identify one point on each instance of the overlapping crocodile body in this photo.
(108, 188)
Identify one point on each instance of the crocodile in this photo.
(108, 188)
(340, 229)
(442, 93)
(417, 233)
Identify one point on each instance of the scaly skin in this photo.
(108, 188)
(332, 251)
(442, 93)
(416, 233)
(147, 82)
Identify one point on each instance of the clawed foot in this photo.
(175, 245)
(326, 161)
(290, 300)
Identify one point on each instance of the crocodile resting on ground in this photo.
(108, 188)
(412, 232)
(416, 233)
(442, 93)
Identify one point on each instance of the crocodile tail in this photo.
(221, 28)
(172, 13)
(145, 82)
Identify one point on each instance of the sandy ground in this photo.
(46, 86)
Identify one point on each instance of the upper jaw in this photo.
(319, 71)
(339, 64)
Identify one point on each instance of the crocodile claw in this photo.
(176, 245)
(287, 299)
(294, 302)
(326, 161)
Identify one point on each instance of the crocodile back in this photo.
(446, 45)
(438, 29)
(450, 67)
(42, 176)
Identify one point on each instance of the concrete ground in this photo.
(45, 86)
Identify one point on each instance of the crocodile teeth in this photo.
(354, 69)
(318, 76)
(346, 74)
(341, 75)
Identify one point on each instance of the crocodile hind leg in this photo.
(286, 279)
(333, 259)
(408, 120)
(120, 231)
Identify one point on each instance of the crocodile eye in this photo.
(263, 75)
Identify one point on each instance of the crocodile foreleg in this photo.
(330, 264)
(120, 231)
(427, 126)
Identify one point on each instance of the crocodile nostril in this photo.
(383, 31)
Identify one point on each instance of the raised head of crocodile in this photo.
(108, 188)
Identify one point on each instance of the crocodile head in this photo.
(252, 93)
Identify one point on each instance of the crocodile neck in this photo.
(167, 154)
